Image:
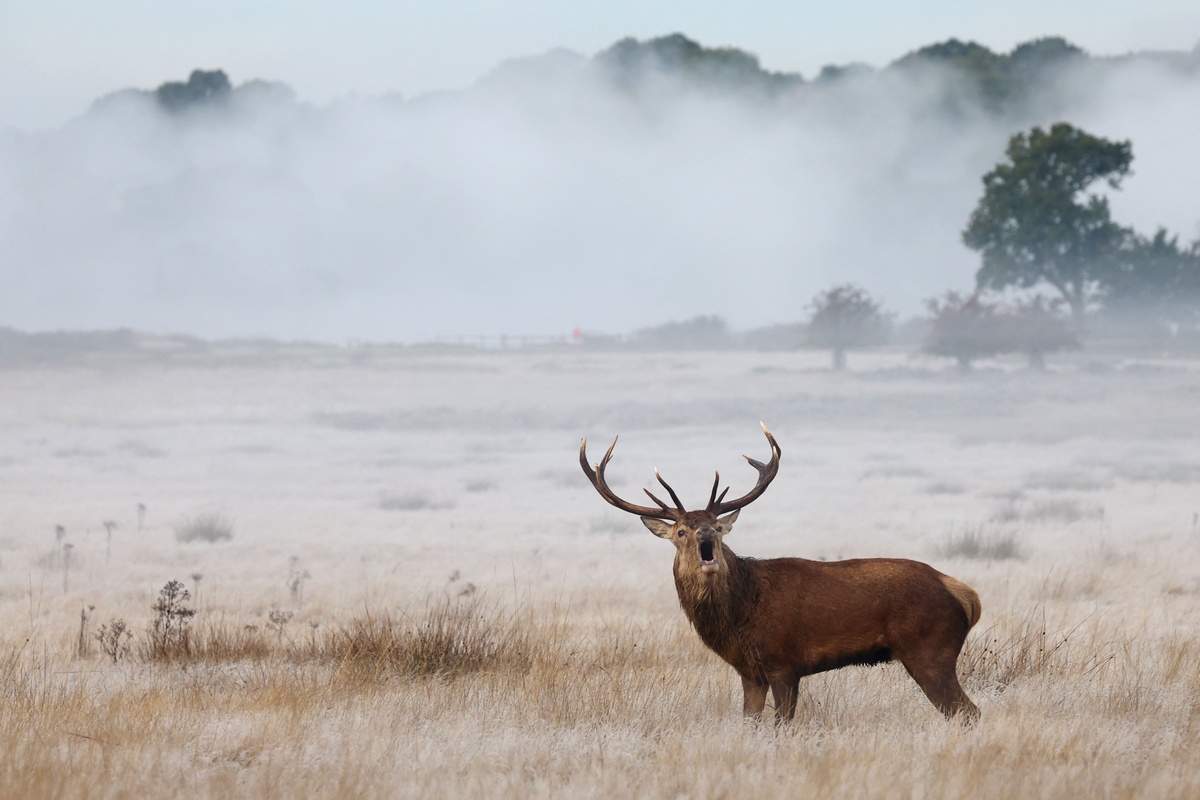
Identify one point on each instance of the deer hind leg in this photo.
(754, 699)
(784, 690)
(939, 681)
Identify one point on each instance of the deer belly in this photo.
(825, 660)
(809, 654)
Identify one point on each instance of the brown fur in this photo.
(780, 619)
(777, 620)
(965, 595)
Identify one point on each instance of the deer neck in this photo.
(718, 604)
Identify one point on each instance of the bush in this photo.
(845, 317)
(169, 638)
(975, 543)
(965, 328)
(453, 638)
(1035, 327)
(114, 639)
(205, 528)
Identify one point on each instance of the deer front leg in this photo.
(754, 699)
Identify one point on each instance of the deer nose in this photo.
(706, 535)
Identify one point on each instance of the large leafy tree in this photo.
(1036, 223)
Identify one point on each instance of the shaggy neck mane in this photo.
(718, 605)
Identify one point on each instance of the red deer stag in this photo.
(779, 619)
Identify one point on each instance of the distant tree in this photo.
(1032, 225)
(1013, 84)
(1035, 328)
(202, 88)
(967, 56)
(846, 317)
(1030, 59)
(630, 62)
(1156, 279)
(981, 73)
(965, 328)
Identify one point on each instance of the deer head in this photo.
(697, 535)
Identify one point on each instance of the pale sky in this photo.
(56, 56)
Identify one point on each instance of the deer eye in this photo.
(681, 534)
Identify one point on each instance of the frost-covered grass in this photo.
(532, 700)
(515, 636)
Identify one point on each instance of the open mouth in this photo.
(708, 557)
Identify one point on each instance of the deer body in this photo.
(777, 620)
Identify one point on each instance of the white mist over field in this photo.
(386, 475)
(540, 200)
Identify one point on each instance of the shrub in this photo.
(169, 629)
(965, 328)
(205, 528)
(843, 317)
(114, 639)
(1035, 327)
(454, 637)
(975, 543)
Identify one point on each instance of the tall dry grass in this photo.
(468, 697)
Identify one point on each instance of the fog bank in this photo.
(546, 197)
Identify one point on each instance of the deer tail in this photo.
(966, 597)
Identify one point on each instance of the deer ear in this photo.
(725, 524)
(658, 527)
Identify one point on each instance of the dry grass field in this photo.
(404, 586)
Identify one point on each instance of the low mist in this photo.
(548, 196)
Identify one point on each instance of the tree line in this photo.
(1023, 83)
(1054, 266)
(1040, 226)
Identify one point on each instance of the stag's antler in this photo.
(716, 503)
(596, 476)
(766, 474)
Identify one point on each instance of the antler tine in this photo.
(661, 504)
(607, 455)
(714, 500)
(667, 486)
(712, 497)
(596, 476)
(766, 474)
(583, 462)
